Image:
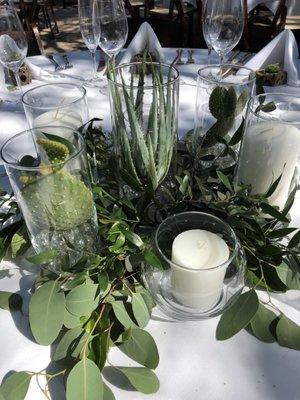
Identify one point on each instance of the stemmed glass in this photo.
(111, 23)
(13, 42)
(205, 30)
(225, 24)
(90, 33)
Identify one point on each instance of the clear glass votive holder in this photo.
(49, 175)
(271, 146)
(221, 105)
(56, 104)
(144, 110)
(186, 293)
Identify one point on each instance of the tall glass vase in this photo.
(144, 109)
(270, 149)
(221, 105)
(49, 176)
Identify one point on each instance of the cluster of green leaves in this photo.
(104, 305)
(145, 143)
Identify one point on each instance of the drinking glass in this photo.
(89, 34)
(66, 107)
(111, 25)
(13, 42)
(205, 30)
(271, 146)
(49, 176)
(225, 24)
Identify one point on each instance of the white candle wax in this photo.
(200, 285)
(61, 118)
(269, 150)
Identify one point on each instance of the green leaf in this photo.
(143, 379)
(280, 233)
(288, 333)
(84, 382)
(295, 240)
(15, 387)
(43, 258)
(133, 238)
(10, 301)
(152, 259)
(46, 312)
(238, 315)
(19, 243)
(122, 314)
(103, 281)
(83, 299)
(140, 310)
(269, 107)
(268, 209)
(70, 320)
(216, 102)
(241, 102)
(107, 393)
(260, 324)
(224, 179)
(273, 187)
(238, 135)
(141, 348)
(70, 345)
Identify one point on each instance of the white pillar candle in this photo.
(269, 150)
(59, 117)
(198, 284)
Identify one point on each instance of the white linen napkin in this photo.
(282, 49)
(145, 36)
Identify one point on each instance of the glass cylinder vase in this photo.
(56, 104)
(49, 176)
(271, 146)
(144, 109)
(186, 290)
(222, 97)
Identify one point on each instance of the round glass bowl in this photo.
(184, 293)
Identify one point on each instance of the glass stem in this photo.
(93, 53)
(18, 80)
(220, 65)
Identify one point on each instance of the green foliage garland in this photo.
(105, 305)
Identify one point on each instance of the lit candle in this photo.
(198, 284)
(269, 150)
(59, 117)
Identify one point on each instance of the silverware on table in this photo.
(101, 64)
(190, 59)
(237, 62)
(67, 62)
(233, 57)
(57, 66)
(179, 54)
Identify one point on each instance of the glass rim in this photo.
(81, 88)
(220, 266)
(257, 96)
(37, 168)
(156, 63)
(227, 65)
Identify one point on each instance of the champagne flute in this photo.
(13, 41)
(225, 24)
(111, 23)
(89, 34)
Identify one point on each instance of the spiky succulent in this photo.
(59, 200)
(56, 152)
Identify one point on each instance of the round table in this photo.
(193, 365)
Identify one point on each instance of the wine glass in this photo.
(225, 24)
(111, 23)
(89, 33)
(205, 30)
(13, 41)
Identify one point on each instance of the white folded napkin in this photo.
(282, 49)
(145, 37)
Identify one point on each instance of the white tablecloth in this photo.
(193, 365)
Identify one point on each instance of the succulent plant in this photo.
(56, 152)
(58, 200)
(272, 68)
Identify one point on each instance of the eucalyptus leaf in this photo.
(83, 299)
(140, 310)
(238, 315)
(107, 393)
(141, 347)
(288, 333)
(84, 382)
(70, 320)
(142, 379)
(15, 387)
(46, 312)
(153, 260)
(19, 243)
(10, 301)
(43, 258)
(260, 324)
(70, 345)
(122, 314)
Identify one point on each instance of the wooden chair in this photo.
(134, 7)
(29, 16)
(263, 25)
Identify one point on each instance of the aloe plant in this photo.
(144, 142)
